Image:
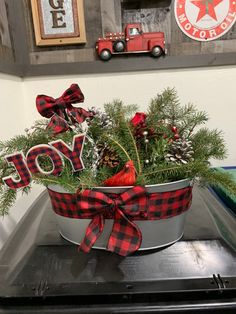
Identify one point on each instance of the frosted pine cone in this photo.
(181, 151)
(104, 119)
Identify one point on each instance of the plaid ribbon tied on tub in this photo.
(61, 111)
(133, 204)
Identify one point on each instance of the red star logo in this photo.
(206, 7)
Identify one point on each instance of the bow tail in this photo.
(78, 115)
(57, 124)
(93, 231)
(125, 237)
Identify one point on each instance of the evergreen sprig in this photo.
(116, 109)
(120, 135)
(148, 150)
(208, 144)
(7, 200)
(218, 179)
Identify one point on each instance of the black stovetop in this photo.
(40, 271)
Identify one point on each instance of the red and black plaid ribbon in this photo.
(125, 236)
(61, 111)
(125, 208)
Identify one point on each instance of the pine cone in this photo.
(107, 156)
(104, 119)
(181, 151)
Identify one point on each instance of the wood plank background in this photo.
(102, 16)
(6, 51)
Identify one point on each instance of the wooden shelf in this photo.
(100, 16)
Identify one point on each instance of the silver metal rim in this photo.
(105, 55)
(156, 51)
(153, 188)
(119, 46)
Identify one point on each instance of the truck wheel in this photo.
(105, 54)
(156, 51)
(119, 46)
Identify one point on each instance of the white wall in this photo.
(210, 89)
(13, 120)
(12, 112)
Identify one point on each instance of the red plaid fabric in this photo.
(24, 175)
(74, 154)
(78, 114)
(168, 204)
(58, 124)
(48, 106)
(125, 237)
(124, 209)
(38, 150)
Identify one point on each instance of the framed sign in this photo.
(58, 22)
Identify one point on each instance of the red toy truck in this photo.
(133, 40)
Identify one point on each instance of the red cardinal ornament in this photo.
(127, 176)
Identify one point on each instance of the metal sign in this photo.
(205, 20)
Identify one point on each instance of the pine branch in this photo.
(136, 150)
(219, 179)
(67, 179)
(114, 142)
(190, 119)
(125, 144)
(208, 144)
(90, 179)
(116, 108)
(7, 200)
(47, 180)
(127, 140)
(167, 106)
(167, 172)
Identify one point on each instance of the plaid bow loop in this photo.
(125, 237)
(61, 108)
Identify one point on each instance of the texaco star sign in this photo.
(205, 20)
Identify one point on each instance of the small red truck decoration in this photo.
(133, 40)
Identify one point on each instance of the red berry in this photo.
(176, 136)
(174, 129)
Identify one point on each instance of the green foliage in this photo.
(148, 150)
(208, 144)
(191, 118)
(120, 136)
(68, 181)
(166, 108)
(116, 109)
(218, 179)
(7, 200)
(158, 149)
(124, 143)
(89, 178)
(114, 142)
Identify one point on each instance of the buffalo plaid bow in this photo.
(61, 111)
(125, 237)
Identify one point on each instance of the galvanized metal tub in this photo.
(155, 233)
